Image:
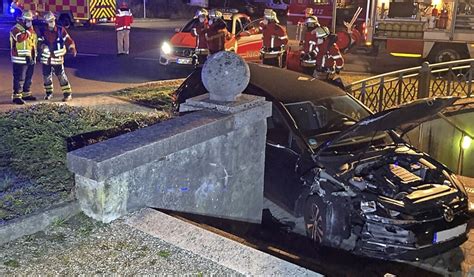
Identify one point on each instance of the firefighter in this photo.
(199, 31)
(123, 24)
(309, 50)
(329, 60)
(275, 40)
(308, 12)
(23, 42)
(55, 41)
(217, 33)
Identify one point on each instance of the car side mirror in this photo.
(177, 30)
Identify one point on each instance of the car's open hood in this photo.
(402, 118)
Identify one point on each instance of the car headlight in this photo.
(368, 206)
(166, 48)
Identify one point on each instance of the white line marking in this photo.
(146, 59)
(4, 49)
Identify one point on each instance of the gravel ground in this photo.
(83, 246)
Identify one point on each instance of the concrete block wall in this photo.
(208, 162)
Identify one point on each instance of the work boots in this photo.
(18, 101)
(67, 97)
(29, 98)
(48, 96)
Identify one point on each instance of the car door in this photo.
(249, 46)
(282, 184)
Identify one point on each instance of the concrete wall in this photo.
(209, 162)
(442, 141)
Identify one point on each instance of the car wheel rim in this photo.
(315, 224)
(447, 56)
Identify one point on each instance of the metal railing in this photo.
(394, 88)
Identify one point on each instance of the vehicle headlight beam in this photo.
(166, 48)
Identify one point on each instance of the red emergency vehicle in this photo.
(344, 11)
(179, 50)
(434, 30)
(70, 12)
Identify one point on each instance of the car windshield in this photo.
(322, 120)
(191, 24)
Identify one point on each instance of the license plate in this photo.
(184, 61)
(449, 234)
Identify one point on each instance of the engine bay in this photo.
(396, 175)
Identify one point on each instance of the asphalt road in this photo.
(97, 69)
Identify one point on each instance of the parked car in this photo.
(178, 51)
(358, 185)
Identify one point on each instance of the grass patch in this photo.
(12, 263)
(164, 253)
(154, 95)
(33, 148)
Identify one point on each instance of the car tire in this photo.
(326, 223)
(446, 54)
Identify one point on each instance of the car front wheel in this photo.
(315, 219)
(326, 223)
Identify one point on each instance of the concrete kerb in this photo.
(36, 222)
(224, 251)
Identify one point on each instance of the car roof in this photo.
(289, 86)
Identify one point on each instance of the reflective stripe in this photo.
(195, 32)
(19, 60)
(16, 36)
(16, 95)
(26, 94)
(122, 28)
(336, 57)
(284, 37)
(272, 42)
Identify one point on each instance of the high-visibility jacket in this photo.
(200, 33)
(123, 20)
(274, 35)
(23, 43)
(329, 57)
(216, 36)
(54, 45)
(309, 43)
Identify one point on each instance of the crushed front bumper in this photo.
(412, 241)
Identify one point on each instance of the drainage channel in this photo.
(274, 238)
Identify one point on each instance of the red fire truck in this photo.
(70, 12)
(429, 29)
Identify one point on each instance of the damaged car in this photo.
(345, 176)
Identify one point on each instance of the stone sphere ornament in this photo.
(225, 75)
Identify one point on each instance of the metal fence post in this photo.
(424, 81)
(470, 79)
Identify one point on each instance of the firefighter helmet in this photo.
(270, 15)
(322, 32)
(124, 5)
(308, 12)
(49, 16)
(27, 15)
(312, 22)
(215, 14)
(201, 13)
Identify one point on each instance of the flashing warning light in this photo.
(12, 10)
(466, 142)
(405, 55)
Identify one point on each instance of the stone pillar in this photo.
(209, 162)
